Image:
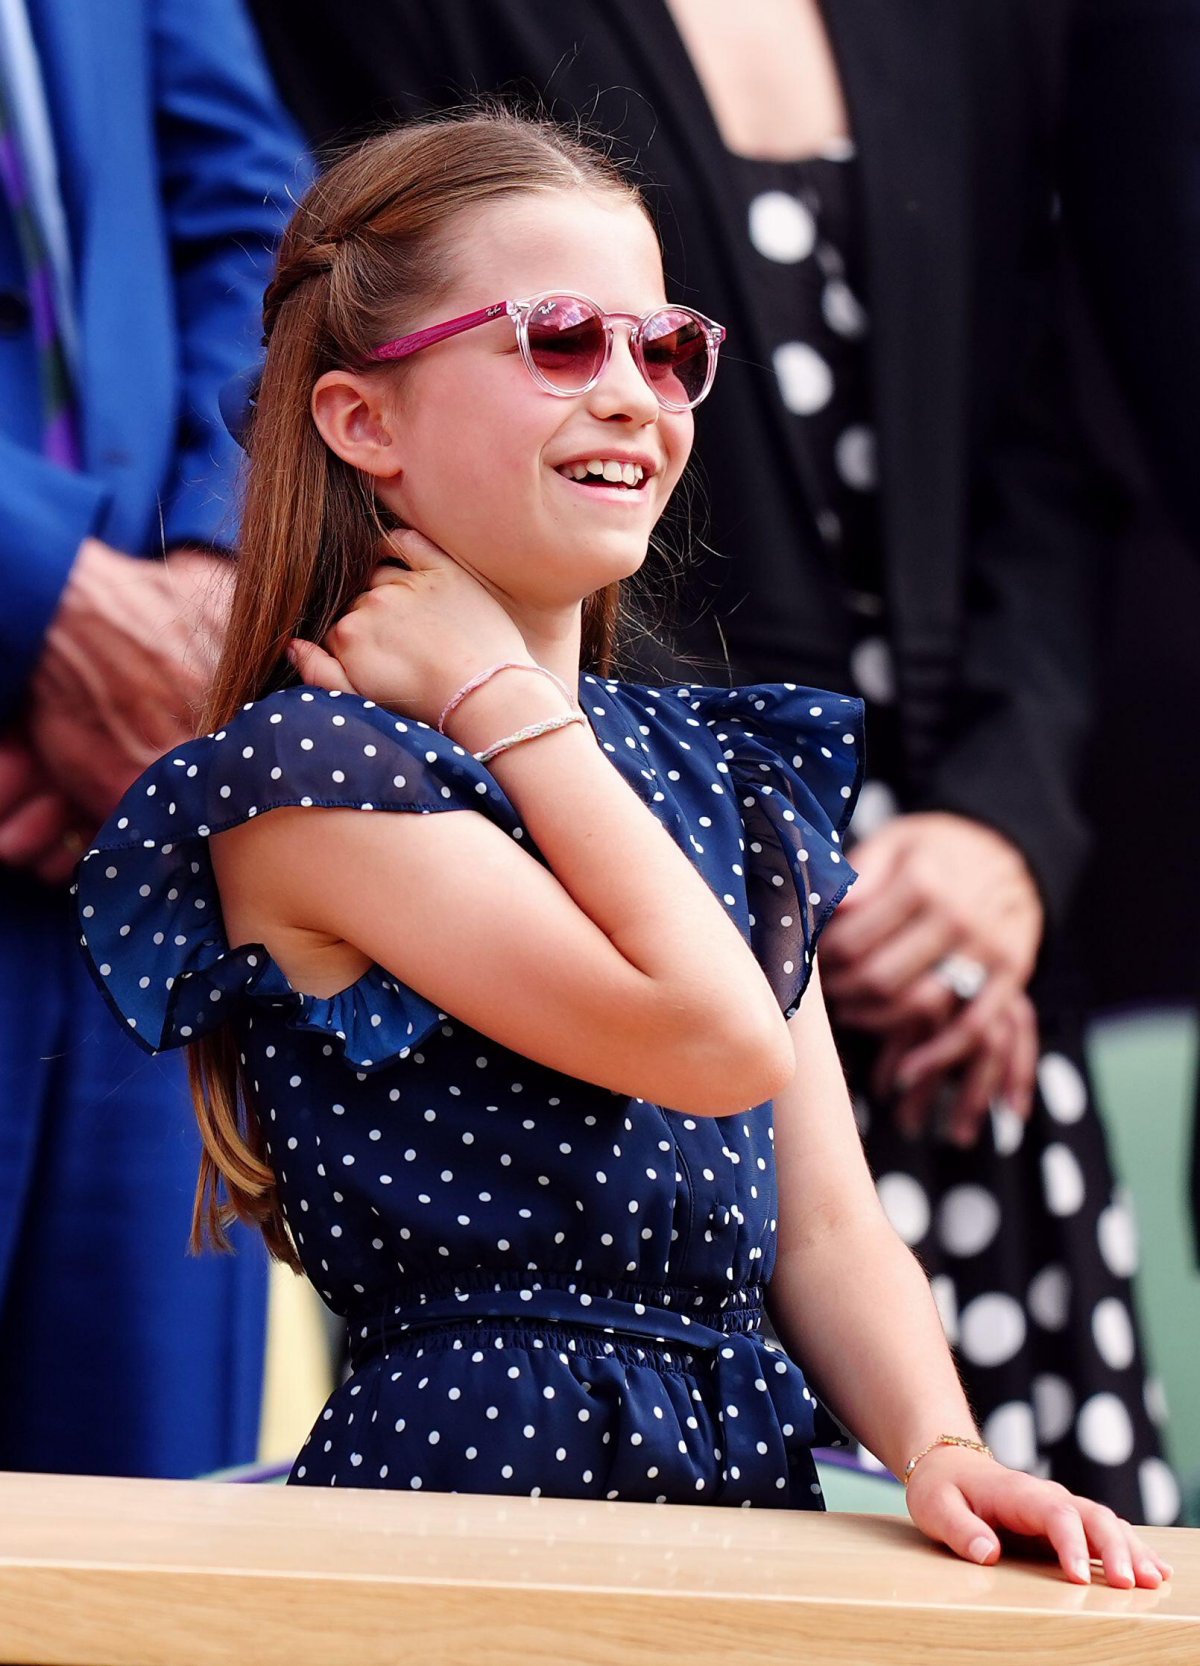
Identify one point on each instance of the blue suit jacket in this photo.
(174, 156)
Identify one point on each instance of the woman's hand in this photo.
(1000, 1068)
(960, 1498)
(416, 635)
(932, 885)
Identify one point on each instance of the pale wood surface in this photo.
(146, 1573)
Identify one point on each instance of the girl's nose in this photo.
(622, 390)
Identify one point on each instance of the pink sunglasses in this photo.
(566, 343)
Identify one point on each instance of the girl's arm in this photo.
(617, 965)
(851, 1301)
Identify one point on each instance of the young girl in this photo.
(491, 971)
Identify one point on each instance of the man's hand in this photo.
(125, 665)
(40, 829)
(932, 885)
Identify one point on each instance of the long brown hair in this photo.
(369, 245)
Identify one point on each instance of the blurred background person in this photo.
(1132, 195)
(143, 164)
(897, 505)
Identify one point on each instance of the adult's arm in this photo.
(1132, 204)
(228, 154)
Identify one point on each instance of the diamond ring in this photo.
(962, 975)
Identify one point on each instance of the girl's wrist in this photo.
(942, 1452)
(502, 705)
(480, 679)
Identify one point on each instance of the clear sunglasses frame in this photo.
(520, 312)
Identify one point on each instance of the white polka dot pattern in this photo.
(418, 1160)
(805, 380)
(781, 226)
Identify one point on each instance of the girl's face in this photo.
(485, 454)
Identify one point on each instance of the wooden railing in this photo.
(165, 1573)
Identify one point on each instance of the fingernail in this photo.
(1124, 1570)
(981, 1548)
(1082, 1569)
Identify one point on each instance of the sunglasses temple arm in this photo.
(403, 346)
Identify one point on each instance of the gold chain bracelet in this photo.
(944, 1440)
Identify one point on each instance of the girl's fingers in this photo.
(1062, 1525)
(317, 668)
(946, 1515)
(1127, 1561)
(1108, 1539)
(967, 1512)
(1148, 1570)
(1036, 1510)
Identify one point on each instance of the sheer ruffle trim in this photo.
(148, 904)
(795, 757)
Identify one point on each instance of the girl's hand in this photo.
(416, 635)
(959, 1497)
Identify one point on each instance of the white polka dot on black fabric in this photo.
(1011, 1433)
(968, 1219)
(1053, 1406)
(1062, 1180)
(781, 227)
(1116, 1234)
(991, 1328)
(1104, 1430)
(805, 379)
(905, 1204)
(873, 670)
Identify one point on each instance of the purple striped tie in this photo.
(60, 428)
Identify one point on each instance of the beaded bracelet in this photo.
(456, 699)
(530, 732)
(944, 1440)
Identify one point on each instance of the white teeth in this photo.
(609, 470)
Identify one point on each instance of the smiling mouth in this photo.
(598, 471)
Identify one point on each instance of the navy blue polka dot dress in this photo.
(549, 1288)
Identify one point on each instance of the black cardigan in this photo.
(991, 517)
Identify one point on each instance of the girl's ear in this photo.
(357, 420)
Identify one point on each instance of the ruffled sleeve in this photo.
(149, 910)
(795, 757)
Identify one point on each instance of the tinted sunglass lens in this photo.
(676, 352)
(566, 341)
